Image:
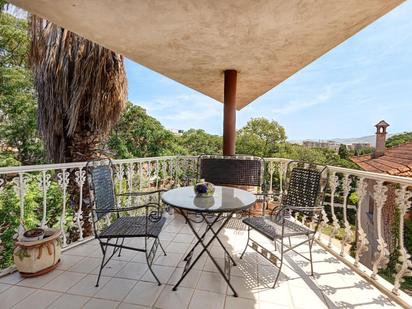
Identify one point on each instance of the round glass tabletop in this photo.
(225, 199)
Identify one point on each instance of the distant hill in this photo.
(350, 140)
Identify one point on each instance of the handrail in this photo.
(59, 166)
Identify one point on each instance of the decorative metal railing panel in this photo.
(352, 223)
(56, 195)
(357, 208)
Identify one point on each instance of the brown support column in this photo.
(229, 113)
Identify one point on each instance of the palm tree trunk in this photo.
(82, 91)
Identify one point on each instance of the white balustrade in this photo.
(129, 177)
(80, 179)
(44, 185)
(362, 243)
(63, 180)
(333, 183)
(20, 189)
(139, 174)
(382, 254)
(348, 233)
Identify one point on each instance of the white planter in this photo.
(38, 257)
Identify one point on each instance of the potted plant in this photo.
(204, 189)
(33, 235)
(38, 252)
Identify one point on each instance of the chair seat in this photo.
(273, 229)
(133, 227)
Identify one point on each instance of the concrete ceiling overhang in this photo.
(193, 42)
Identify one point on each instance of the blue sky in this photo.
(342, 94)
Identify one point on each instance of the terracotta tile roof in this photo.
(396, 161)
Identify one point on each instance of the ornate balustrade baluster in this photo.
(362, 242)
(323, 217)
(333, 183)
(44, 186)
(129, 176)
(20, 189)
(149, 173)
(282, 173)
(271, 171)
(157, 174)
(404, 265)
(172, 172)
(63, 181)
(348, 232)
(140, 176)
(186, 172)
(140, 179)
(381, 256)
(119, 181)
(296, 216)
(164, 177)
(304, 217)
(80, 178)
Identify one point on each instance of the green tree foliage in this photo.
(139, 135)
(9, 221)
(260, 137)
(399, 139)
(363, 151)
(265, 138)
(343, 151)
(197, 142)
(316, 155)
(18, 106)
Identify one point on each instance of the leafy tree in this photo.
(316, 155)
(18, 106)
(363, 151)
(197, 142)
(9, 221)
(399, 139)
(139, 135)
(343, 151)
(260, 137)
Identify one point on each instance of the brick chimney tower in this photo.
(380, 138)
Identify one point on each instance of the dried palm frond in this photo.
(81, 87)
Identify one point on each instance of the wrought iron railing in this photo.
(363, 221)
(52, 195)
(374, 234)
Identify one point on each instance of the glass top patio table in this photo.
(224, 203)
(224, 199)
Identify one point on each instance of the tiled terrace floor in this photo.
(127, 282)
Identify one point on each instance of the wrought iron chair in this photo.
(238, 170)
(305, 186)
(148, 224)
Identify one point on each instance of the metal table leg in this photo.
(210, 228)
(200, 241)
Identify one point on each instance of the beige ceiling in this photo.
(194, 41)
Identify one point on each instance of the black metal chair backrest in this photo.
(304, 185)
(102, 187)
(232, 170)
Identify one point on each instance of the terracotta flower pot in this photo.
(38, 257)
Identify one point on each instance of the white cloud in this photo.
(185, 111)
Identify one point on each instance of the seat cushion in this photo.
(133, 227)
(272, 229)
